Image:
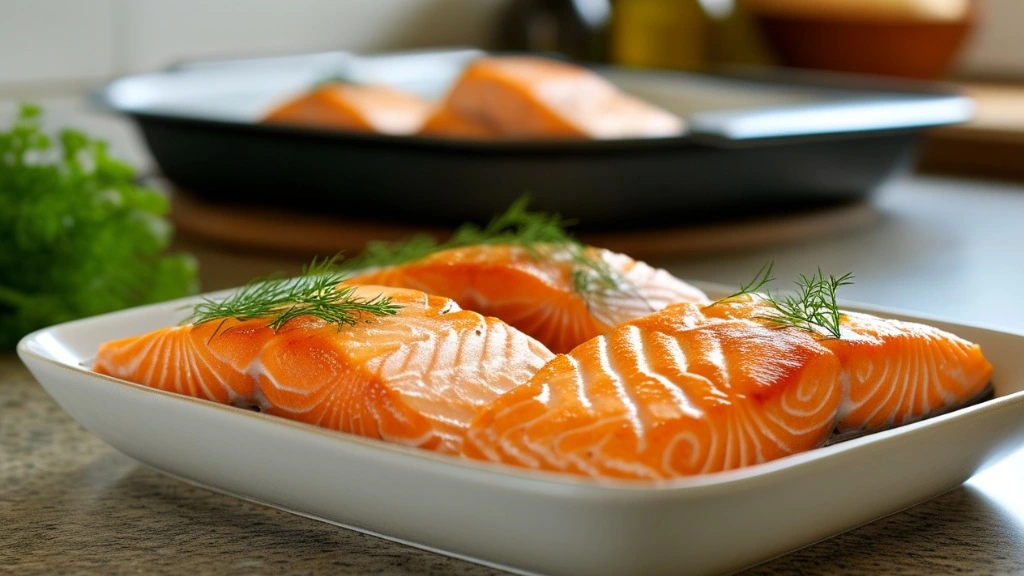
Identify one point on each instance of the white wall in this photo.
(69, 40)
(82, 40)
(997, 48)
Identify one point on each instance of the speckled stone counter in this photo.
(70, 504)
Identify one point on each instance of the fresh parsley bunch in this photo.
(78, 237)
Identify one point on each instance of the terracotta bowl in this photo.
(915, 49)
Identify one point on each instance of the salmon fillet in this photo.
(894, 372)
(656, 398)
(416, 378)
(534, 289)
(443, 122)
(377, 109)
(697, 388)
(527, 97)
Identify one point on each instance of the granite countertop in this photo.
(71, 504)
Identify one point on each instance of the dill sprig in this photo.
(541, 234)
(812, 308)
(764, 276)
(593, 276)
(316, 292)
(814, 304)
(517, 226)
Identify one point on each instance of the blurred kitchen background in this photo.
(61, 48)
(56, 51)
(48, 45)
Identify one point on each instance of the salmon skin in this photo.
(357, 108)
(416, 378)
(696, 389)
(536, 289)
(537, 98)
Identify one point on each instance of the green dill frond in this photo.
(379, 254)
(316, 292)
(814, 304)
(812, 308)
(541, 234)
(763, 277)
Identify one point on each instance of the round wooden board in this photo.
(269, 229)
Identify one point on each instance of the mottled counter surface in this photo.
(71, 504)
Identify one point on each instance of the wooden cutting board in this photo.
(256, 229)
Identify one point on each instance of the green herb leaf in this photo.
(812, 308)
(814, 304)
(542, 234)
(79, 237)
(316, 292)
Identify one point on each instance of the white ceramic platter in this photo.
(517, 519)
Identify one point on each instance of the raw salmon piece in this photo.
(416, 378)
(534, 290)
(189, 360)
(900, 372)
(654, 399)
(525, 97)
(894, 372)
(445, 123)
(353, 107)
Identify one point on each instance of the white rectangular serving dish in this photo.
(517, 519)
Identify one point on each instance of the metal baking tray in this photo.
(757, 143)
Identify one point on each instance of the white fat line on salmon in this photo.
(711, 451)
(558, 459)
(493, 351)
(716, 357)
(906, 389)
(757, 428)
(733, 438)
(634, 468)
(581, 391)
(549, 451)
(680, 397)
(545, 394)
(504, 440)
(132, 367)
(255, 370)
(162, 353)
(806, 414)
(473, 438)
(939, 366)
(190, 368)
(752, 448)
(510, 449)
(613, 310)
(898, 372)
(919, 394)
(465, 341)
(174, 363)
(793, 407)
(848, 404)
(587, 460)
(417, 441)
(948, 396)
(622, 392)
(218, 372)
(438, 345)
(667, 459)
(197, 386)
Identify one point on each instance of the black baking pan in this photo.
(756, 143)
